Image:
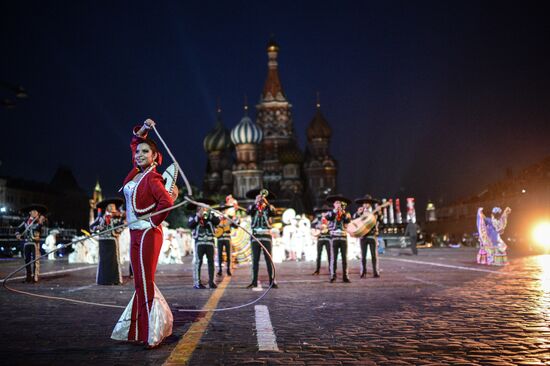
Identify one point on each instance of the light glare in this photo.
(541, 234)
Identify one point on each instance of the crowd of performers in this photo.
(147, 318)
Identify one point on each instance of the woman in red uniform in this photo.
(147, 318)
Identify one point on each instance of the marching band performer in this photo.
(321, 229)
(369, 240)
(30, 230)
(224, 241)
(108, 269)
(261, 212)
(338, 218)
(147, 318)
(202, 225)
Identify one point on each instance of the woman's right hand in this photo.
(149, 123)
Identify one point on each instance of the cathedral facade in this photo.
(266, 154)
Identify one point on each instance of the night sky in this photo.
(429, 99)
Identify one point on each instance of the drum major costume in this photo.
(225, 226)
(369, 240)
(30, 230)
(321, 229)
(261, 212)
(338, 218)
(203, 225)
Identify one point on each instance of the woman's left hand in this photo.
(175, 192)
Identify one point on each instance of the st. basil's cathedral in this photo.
(266, 154)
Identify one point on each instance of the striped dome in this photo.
(218, 139)
(246, 132)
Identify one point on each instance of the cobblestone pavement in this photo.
(437, 308)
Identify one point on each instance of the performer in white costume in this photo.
(50, 243)
(307, 247)
(289, 234)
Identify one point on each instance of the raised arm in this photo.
(503, 221)
(140, 133)
(481, 228)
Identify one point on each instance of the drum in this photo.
(361, 226)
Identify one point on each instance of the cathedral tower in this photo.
(275, 119)
(320, 168)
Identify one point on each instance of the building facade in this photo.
(266, 153)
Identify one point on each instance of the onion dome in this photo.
(318, 127)
(291, 154)
(218, 139)
(246, 132)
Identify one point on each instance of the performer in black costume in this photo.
(202, 224)
(339, 218)
(108, 216)
(261, 212)
(30, 230)
(370, 240)
(224, 239)
(321, 225)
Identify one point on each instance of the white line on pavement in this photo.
(448, 266)
(56, 272)
(264, 330)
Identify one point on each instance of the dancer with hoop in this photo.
(147, 318)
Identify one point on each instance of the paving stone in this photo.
(479, 318)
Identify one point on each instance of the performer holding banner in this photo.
(108, 269)
(147, 318)
(30, 230)
(338, 218)
(369, 237)
(202, 225)
(321, 231)
(261, 212)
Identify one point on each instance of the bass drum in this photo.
(361, 226)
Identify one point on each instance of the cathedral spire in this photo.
(219, 121)
(318, 101)
(272, 87)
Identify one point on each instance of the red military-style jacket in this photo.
(149, 195)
